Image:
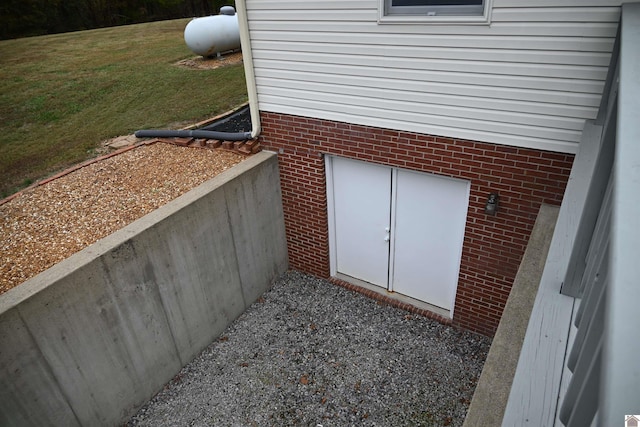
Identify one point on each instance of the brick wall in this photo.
(493, 246)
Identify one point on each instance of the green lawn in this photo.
(62, 95)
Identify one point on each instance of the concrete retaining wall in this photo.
(93, 338)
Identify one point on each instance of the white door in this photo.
(430, 216)
(397, 229)
(361, 205)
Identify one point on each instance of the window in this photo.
(434, 7)
(444, 11)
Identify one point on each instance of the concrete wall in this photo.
(90, 340)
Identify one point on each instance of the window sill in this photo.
(435, 20)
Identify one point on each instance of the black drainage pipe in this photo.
(207, 134)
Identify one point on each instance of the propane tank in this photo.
(214, 34)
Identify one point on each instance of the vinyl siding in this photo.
(528, 79)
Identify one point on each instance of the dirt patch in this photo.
(46, 224)
(202, 63)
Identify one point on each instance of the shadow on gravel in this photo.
(310, 353)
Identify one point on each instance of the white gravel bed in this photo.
(310, 353)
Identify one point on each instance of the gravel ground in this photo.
(46, 224)
(239, 121)
(310, 353)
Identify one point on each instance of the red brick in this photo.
(182, 141)
(493, 246)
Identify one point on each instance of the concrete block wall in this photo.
(493, 246)
(90, 340)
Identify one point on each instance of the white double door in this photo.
(397, 229)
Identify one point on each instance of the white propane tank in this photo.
(213, 34)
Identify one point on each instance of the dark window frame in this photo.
(434, 8)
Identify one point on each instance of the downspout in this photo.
(247, 59)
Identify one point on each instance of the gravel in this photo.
(44, 225)
(239, 121)
(310, 353)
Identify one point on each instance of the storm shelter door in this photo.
(397, 229)
(361, 203)
(430, 217)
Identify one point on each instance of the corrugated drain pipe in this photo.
(247, 59)
(208, 134)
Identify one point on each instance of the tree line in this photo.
(23, 18)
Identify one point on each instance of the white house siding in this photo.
(529, 79)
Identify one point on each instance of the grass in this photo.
(62, 95)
